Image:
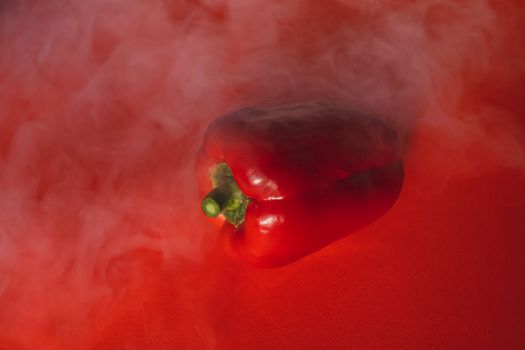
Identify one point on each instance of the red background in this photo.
(102, 243)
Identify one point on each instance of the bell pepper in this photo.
(283, 181)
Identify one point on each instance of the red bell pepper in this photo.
(283, 181)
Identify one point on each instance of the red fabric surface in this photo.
(441, 270)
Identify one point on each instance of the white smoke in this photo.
(103, 103)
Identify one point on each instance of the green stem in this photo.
(216, 200)
(226, 197)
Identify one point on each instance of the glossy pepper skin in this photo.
(310, 174)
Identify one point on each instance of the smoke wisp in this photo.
(103, 104)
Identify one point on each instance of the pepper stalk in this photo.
(226, 197)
